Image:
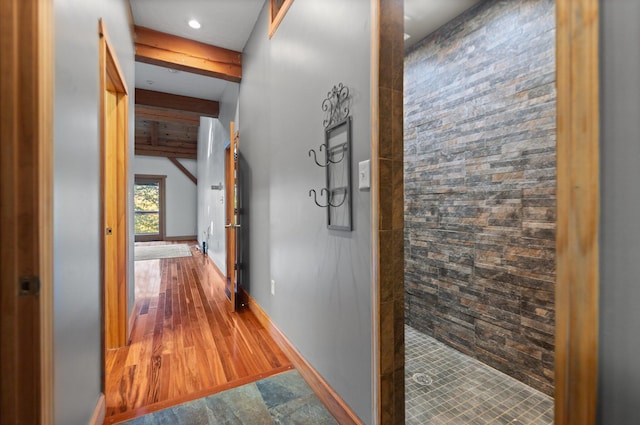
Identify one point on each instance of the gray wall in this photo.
(180, 192)
(76, 201)
(480, 177)
(211, 203)
(619, 374)
(213, 136)
(322, 301)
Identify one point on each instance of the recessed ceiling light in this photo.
(194, 24)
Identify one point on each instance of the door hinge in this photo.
(28, 285)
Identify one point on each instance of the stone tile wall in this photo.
(480, 177)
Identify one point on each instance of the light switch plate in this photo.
(364, 175)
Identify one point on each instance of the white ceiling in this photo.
(422, 17)
(228, 24)
(158, 78)
(225, 23)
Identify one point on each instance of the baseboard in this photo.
(181, 238)
(132, 319)
(332, 401)
(98, 414)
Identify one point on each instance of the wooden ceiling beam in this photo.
(166, 115)
(184, 170)
(202, 107)
(146, 141)
(166, 151)
(158, 48)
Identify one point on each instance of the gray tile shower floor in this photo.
(444, 386)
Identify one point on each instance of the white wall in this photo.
(619, 374)
(322, 301)
(213, 136)
(76, 197)
(180, 192)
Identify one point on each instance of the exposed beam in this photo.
(185, 144)
(166, 115)
(166, 151)
(203, 107)
(158, 48)
(183, 169)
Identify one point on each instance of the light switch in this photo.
(364, 175)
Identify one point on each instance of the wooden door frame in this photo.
(230, 163)
(26, 224)
(162, 180)
(112, 80)
(578, 201)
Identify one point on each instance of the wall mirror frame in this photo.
(338, 171)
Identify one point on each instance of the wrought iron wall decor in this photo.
(334, 155)
(336, 105)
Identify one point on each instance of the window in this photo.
(277, 10)
(148, 198)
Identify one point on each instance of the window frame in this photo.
(277, 14)
(161, 180)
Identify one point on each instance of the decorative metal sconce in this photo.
(337, 159)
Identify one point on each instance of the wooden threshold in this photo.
(327, 395)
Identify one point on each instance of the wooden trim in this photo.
(332, 401)
(195, 105)
(376, 349)
(132, 319)
(276, 17)
(99, 412)
(44, 31)
(182, 168)
(181, 238)
(26, 244)
(158, 48)
(230, 176)
(114, 126)
(578, 203)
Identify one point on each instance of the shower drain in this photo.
(422, 379)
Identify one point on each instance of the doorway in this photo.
(114, 168)
(480, 202)
(576, 292)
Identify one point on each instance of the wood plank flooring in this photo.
(184, 339)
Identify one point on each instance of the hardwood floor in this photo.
(185, 343)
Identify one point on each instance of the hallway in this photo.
(185, 344)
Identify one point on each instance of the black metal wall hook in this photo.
(315, 197)
(329, 203)
(315, 158)
(328, 157)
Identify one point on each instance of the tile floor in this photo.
(444, 386)
(277, 400)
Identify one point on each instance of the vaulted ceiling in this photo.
(182, 72)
